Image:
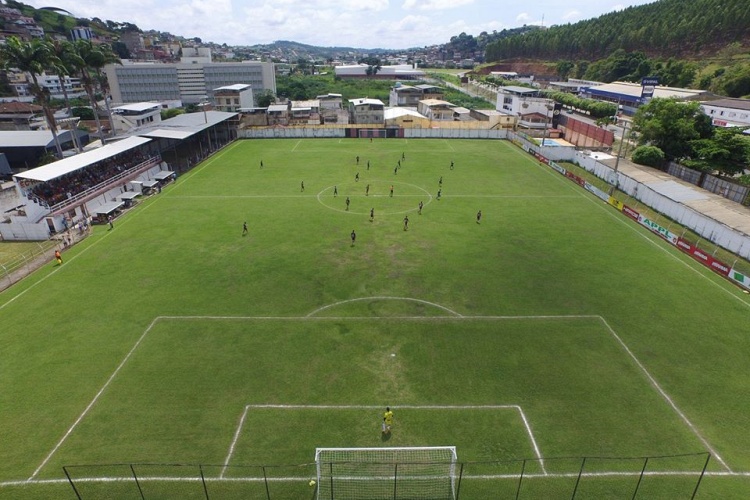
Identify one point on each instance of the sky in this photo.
(388, 24)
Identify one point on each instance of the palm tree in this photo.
(69, 60)
(92, 58)
(33, 57)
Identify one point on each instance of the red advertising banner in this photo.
(702, 257)
(630, 212)
(541, 158)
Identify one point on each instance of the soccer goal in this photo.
(386, 473)
(372, 132)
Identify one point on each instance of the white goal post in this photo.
(412, 473)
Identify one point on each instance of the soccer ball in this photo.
(311, 483)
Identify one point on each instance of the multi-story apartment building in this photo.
(366, 111)
(233, 97)
(190, 83)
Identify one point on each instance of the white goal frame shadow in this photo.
(450, 315)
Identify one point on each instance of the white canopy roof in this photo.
(67, 165)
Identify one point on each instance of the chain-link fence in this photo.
(39, 254)
(664, 477)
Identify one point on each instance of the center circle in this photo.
(404, 199)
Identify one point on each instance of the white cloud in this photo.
(572, 15)
(523, 17)
(434, 4)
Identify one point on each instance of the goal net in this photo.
(427, 473)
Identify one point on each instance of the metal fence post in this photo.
(395, 480)
(203, 480)
(72, 484)
(460, 476)
(520, 479)
(640, 478)
(265, 481)
(700, 478)
(578, 479)
(137, 483)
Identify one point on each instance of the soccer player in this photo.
(395, 170)
(440, 191)
(357, 160)
(391, 190)
(261, 163)
(58, 257)
(440, 182)
(302, 186)
(372, 214)
(451, 164)
(356, 177)
(367, 190)
(403, 156)
(353, 236)
(368, 161)
(244, 228)
(111, 223)
(335, 191)
(406, 223)
(420, 207)
(347, 203)
(388, 419)
(479, 217)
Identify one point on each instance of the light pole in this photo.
(617, 161)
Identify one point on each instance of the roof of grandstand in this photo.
(67, 165)
(184, 125)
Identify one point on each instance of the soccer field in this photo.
(551, 330)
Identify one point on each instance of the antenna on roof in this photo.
(542, 20)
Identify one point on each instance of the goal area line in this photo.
(517, 408)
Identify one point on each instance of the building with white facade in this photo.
(129, 117)
(233, 97)
(189, 83)
(530, 110)
(728, 112)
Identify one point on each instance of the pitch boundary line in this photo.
(375, 407)
(552, 475)
(456, 316)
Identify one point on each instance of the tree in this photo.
(67, 60)
(727, 152)
(92, 58)
(121, 50)
(33, 57)
(650, 156)
(670, 125)
(265, 98)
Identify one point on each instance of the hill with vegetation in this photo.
(666, 28)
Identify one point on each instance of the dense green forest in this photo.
(664, 28)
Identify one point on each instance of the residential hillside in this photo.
(665, 28)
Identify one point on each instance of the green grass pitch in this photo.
(553, 328)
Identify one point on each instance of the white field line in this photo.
(637, 229)
(295, 146)
(183, 479)
(234, 441)
(449, 145)
(408, 299)
(666, 397)
(375, 407)
(93, 401)
(311, 316)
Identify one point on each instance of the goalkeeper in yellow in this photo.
(387, 420)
